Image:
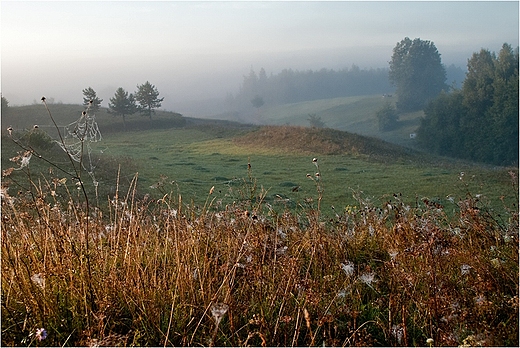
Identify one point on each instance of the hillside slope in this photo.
(305, 140)
(352, 114)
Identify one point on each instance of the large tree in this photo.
(417, 72)
(147, 96)
(122, 104)
(90, 97)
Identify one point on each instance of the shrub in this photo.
(387, 117)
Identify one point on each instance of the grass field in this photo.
(193, 158)
(220, 234)
(352, 114)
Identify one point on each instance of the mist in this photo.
(196, 53)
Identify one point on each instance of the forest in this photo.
(292, 86)
(478, 122)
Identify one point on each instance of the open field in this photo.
(219, 234)
(191, 159)
(350, 114)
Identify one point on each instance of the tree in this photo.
(122, 104)
(387, 117)
(315, 121)
(417, 72)
(147, 96)
(504, 111)
(5, 104)
(440, 130)
(257, 101)
(91, 98)
(480, 121)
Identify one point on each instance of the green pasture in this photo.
(190, 160)
(196, 162)
(352, 114)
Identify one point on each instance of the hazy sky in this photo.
(199, 50)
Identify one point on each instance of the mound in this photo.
(319, 141)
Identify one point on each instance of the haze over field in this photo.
(201, 50)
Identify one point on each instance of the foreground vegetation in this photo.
(240, 263)
(157, 273)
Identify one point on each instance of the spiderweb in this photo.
(77, 140)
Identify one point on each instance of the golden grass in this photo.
(160, 272)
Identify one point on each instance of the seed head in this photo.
(218, 310)
(41, 334)
(314, 160)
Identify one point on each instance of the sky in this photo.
(196, 50)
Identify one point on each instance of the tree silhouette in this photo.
(122, 104)
(257, 101)
(417, 72)
(91, 98)
(147, 96)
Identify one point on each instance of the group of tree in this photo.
(291, 86)
(145, 100)
(478, 122)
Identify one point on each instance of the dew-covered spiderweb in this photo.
(77, 140)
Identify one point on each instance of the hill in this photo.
(189, 156)
(323, 141)
(25, 117)
(352, 114)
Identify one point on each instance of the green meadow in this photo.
(189, 157)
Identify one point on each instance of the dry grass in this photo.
(158, 273)
(320, 140)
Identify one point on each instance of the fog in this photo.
(195, 51)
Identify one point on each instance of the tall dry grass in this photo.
(162, 274)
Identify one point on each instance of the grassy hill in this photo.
(352, 114)
(190, 156)
(22, 118)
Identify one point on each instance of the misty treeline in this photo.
(291, 86)
(479, 121)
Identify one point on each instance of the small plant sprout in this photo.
(39, 280)
(218, 310)
(317, 178)
(368, 278)
(23, 159)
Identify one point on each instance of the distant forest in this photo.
(292, 86)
